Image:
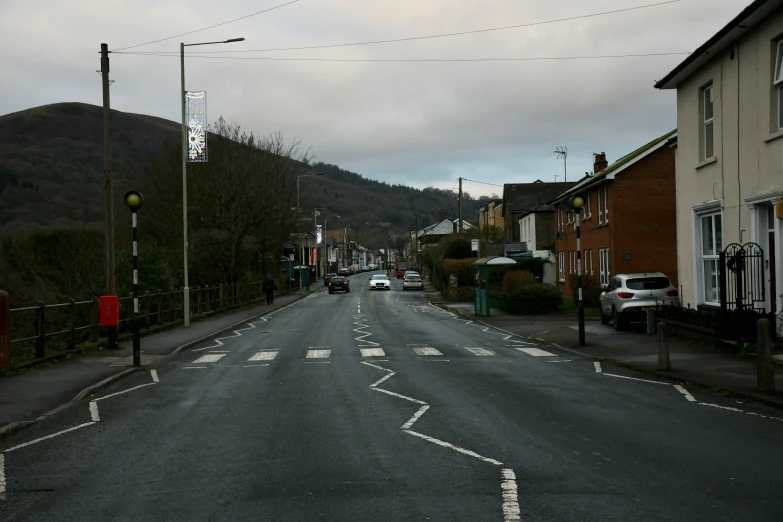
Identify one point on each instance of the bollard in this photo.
(5, 331)
(765, 365)
(663, 348)
(650, 322)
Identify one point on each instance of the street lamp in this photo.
(182, 95)
(134, 200)
(577, 202)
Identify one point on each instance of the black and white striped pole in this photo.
(577, 202)
(134, 200)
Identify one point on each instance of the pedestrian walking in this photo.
(269, 287)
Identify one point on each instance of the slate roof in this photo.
(522, 197)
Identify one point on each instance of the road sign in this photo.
(290, 257)
(474, 245)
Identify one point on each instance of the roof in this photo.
(744, 22)
(618, 166)
(520, 197)
(546, 207)
(495, 261)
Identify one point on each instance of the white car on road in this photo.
(412, 280)
(380, 282)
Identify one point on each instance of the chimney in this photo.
(600, 162)
(442, 214)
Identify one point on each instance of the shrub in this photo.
(535, 299)
(463, 268)
(458, 249)
(591, 289)
(515, 279)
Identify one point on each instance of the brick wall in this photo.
(642, 222)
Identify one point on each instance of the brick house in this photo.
(518, 200)
(628, 222)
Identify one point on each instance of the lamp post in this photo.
(182, 95)
(134, 200)
(577, 202)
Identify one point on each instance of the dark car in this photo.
(345, 271)
(327, 278)
(338, 283)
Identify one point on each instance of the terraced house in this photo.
(730, 162)
(628, 219)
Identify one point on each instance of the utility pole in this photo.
(108, 194)
(459, 226)
(416, 244)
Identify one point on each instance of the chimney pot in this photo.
(600, 162)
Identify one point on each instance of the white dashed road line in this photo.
(255, 365)
(318, 354)
(508, 485)
(636, 379)
(682, 390)
(2, 474)
(154, 375)
(481, 352)
(415, 417)
(387, 392)
(209, 358)
(427, 351)
(376, 383)
(372, 352)
(597, 367)
(536, 352)
(267, 355)
(450, 446)
(53, 435)
(126, 391)
(94, 415)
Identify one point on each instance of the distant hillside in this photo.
(51, 173)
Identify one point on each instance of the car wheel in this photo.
(331, 291)
(619, 323)
(347, 291)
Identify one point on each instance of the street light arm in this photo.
(213, 43)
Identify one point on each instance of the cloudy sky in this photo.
(418, 123)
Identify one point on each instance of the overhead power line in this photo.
(209, 27)
(482, 182)
(446, 35)
(401, 60)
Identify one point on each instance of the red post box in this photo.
(110, 310)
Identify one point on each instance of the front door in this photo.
(772, 286)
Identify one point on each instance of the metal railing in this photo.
(48, 329)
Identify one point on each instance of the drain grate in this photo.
(12, 503)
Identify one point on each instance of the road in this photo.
(380, 406)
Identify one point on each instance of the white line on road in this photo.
(415, 417)
(559, 361)
(437, 360)
(636, 379)
(427, 351)
(2, 474)
(377, 367)
(154, 375)
(417, 401)
(376, 383)
(318, 354)
(597, 367)
(318, 362)
(264, 356)
(316, 347)
(510, 496)
(94, 415)
(220, 351)
(372, 352)
(209, 358)
(481, 352)
(255, 365)
(536, 352)
(451, 446)
(53, 435)
(721, 407)
(194, 367)
(124, 391)
(682, 390)
(539, 333)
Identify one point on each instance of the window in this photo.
(587, 211)
(777, 82)
(590, 260)
(561, 265)
(603, 265)
(708, 146)
(711, 239)
(603, 205)
(559, 220)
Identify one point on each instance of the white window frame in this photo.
(603, 266)
(706, 122)
(559, 220)
(601, 196)
(590, 260)
(701, 258)
(561, 266)
(606, 204)
(587, 210)
(777, 82)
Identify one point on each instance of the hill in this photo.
(51, 173)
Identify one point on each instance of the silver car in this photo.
(411, 281)
(627, 297)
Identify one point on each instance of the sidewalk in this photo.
(691, 362)
(27, 396)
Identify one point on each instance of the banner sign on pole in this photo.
(314, 256)
(196, 116)
(318, 234)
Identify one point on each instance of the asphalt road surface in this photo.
(379, 406)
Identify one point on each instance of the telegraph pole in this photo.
(459, 226)
(108, 198)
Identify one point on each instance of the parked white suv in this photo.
(627, 297)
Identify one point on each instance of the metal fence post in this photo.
(96, 317)
(72, 336)
(764, 365)
(40, 330)
(664, 363)
(650, 322)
